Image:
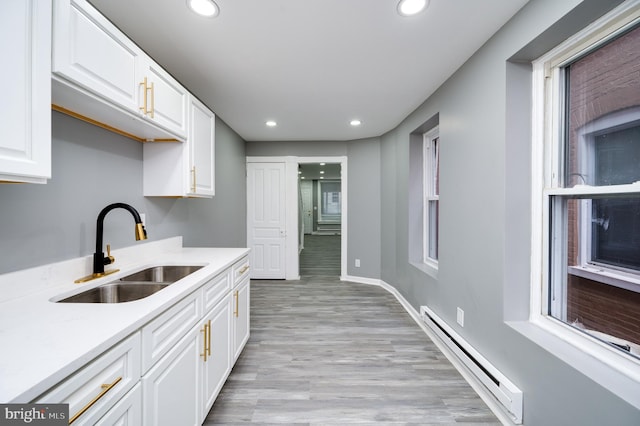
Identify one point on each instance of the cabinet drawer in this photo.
(94, 389)
(161, 334)
(215, 289)
(240, 270)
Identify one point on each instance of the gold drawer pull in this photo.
(243, 270)
(105, 388)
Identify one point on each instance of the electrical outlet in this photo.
(357, 263)
(460, 317)
(144, 218)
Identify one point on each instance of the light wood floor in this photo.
(325, 352)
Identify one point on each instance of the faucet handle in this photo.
(109, 259)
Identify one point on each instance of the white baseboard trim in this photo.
(471, 378)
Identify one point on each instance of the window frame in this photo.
(548, 173)
(431, 165)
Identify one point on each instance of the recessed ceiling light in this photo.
(322, 164)
(321, 172)
(412, 7)
(271, 123)
(355, 122)
(204, 7)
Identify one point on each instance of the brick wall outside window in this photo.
(605, 81)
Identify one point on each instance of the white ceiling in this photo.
(310, 65)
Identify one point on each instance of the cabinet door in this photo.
(94, 54)
(25, 104)
(126, 412)
(202, 148)
(240, 317)
(218, 363)
(163, 100)
(171, 392)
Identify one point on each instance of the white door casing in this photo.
(290, 199)
(266, 219)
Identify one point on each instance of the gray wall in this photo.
(91, 168)
(363, 211)
(484, 118)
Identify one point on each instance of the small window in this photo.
(330, 201)
(431, 207)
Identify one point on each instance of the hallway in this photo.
(321, 256)
(330, 352)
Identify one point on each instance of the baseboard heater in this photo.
(506, 393)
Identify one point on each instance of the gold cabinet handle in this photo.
(153, 100)
(209, 340)
(105, 388)
(235, 295)
(146, 88)
(243, 270)
(206, 331)
(193, 179)
(143, 108)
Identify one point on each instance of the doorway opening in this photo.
(320, 219)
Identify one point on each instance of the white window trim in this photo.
(546, 127)
(428, 193)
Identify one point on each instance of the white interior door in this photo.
(266, 231)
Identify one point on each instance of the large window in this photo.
(431, 185)
(591, 199)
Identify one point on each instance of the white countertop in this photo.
(43, 342)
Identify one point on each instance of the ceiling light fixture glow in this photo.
(271, 123)
(355, 122)
(204, 7)
(412, 7)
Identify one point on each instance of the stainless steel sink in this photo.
(161, 274)
(115, 293)
(134, 286)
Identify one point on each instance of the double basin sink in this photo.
(134, 286)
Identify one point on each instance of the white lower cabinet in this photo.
(170, 371)
(127, 411)
(240, 317)
(217, 365)
(94, 389)
(170, 391)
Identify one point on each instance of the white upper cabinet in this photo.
(25, 114)
(101, 76)
(162, 99)
(92, 53)
(202, 147)
(183, 170)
